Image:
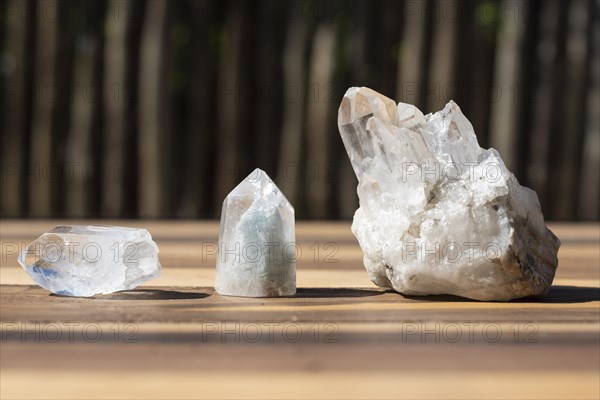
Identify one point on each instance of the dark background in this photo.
(159, 108)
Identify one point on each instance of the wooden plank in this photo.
(304, 385)
(333, 304)
(339, 337)
(340, 342)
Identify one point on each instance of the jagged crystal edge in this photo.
(256, 241)
(84, 261)
(438, 214)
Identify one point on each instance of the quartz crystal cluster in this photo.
(256, 241)
(438, 214)
(89, 260)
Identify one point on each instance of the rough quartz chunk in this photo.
(438, 214)
(89, 260)
(256, 241)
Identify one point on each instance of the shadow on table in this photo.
(162, 294)
(557, 295)
(148, 294)
(569, 294)
(321, 293)
(154, 294)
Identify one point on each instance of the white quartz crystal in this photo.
(438, 214)
(257, 241)
(89, 260)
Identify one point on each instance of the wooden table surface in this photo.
(339, 337)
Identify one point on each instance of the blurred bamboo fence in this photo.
(127, 108)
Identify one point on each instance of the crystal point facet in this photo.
(89, 260)
(256, 241)
(438, 214)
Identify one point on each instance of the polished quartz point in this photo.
(256, 241)
(89, 260)
(438, 214)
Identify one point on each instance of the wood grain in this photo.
(339, 337)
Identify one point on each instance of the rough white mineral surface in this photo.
(89, 260)
(257, 241)
(438, 214)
